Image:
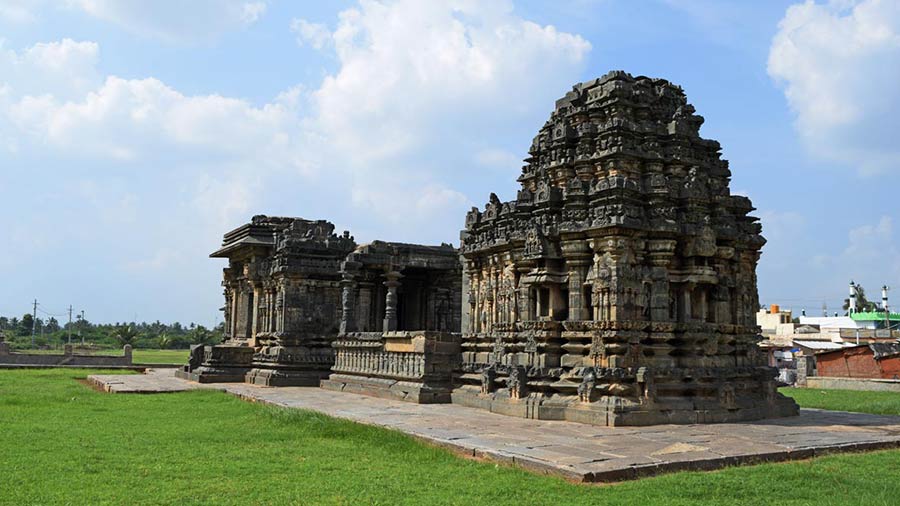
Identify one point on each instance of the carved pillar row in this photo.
(390, 301)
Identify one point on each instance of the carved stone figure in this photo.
(488, 376)
(517, 382)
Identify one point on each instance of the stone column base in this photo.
(409, 391)
(614, 411)
(221, 363)
(214, 374)
(284, 377)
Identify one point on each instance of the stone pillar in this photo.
(233, 309)
(686, 311)
(702, 305)
(578, 258)
(280, 307)
(526, 306)
(390, 301)
(273, 306)
(348, 297)
(661, 253)
(257, 298)
(467, 310)
(227, 312)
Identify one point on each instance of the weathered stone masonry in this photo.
(292, 286)
(619, 288)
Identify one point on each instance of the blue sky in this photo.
(133, 134)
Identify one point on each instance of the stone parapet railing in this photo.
(409, 365)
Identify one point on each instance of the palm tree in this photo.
(125, 334)
(164, 341)
(202, 335)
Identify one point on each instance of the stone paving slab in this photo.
(571, 450)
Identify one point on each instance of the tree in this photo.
(165, 341)
(4, 323)
(52, 325)
(26, 324)
(202, 335)
(125, 334)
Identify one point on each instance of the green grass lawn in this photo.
(159, 356)
(64, 443)
(879, 403)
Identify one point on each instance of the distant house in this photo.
(874, 360)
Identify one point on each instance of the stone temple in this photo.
(618, 288)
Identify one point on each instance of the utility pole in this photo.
(33, 321)
(70, 325)
(82, 325)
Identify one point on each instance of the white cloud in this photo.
(131, 119)
(839, 64)
(411, 69)
(316, 35)
(386, 145)
(63, 69)
(176, 20)
(252, 11)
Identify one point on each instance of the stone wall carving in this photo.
(411, 366)
(293, 285)
(620, 286)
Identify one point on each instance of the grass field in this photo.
(879, 403)
(64, 443)
(159, 356)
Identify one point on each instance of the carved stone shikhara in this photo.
(619, 288)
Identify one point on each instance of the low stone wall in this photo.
(872, 385)
(414, 366)
(68, 358)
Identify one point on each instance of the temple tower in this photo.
(619, 288)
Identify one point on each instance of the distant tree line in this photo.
(49, 333)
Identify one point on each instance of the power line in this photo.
(52, 314)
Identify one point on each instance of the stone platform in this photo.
(574, 451)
